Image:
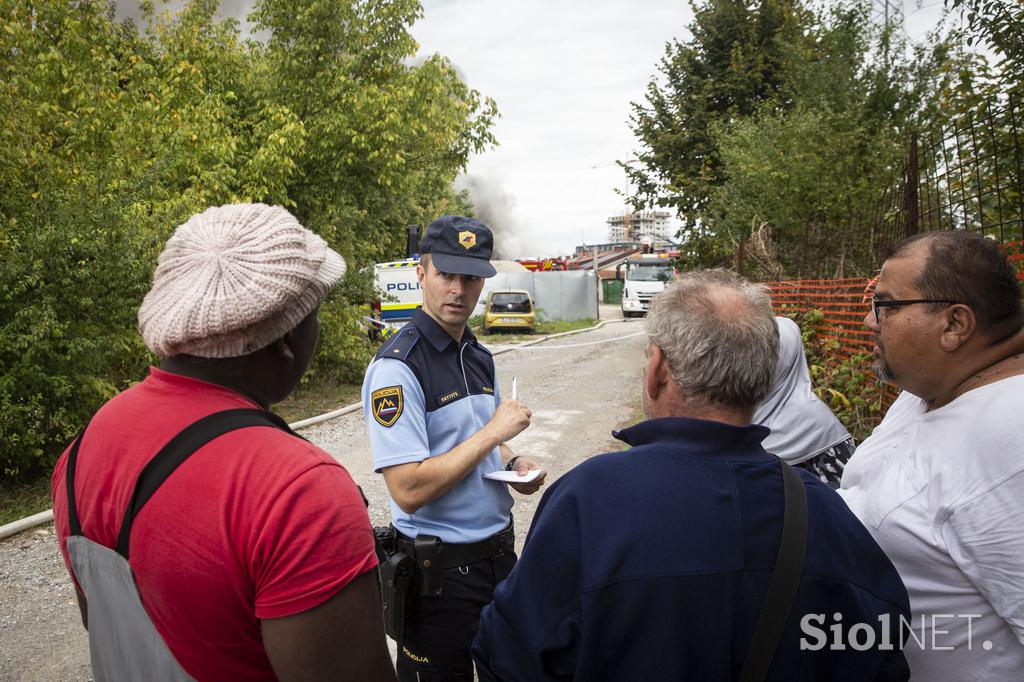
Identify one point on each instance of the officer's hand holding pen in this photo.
(509, 420)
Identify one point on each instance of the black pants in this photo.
(440, 630)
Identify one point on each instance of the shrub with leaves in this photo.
(112, 136)
(846, 384)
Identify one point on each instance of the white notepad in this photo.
(513, 477)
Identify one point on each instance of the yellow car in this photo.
(509, 310)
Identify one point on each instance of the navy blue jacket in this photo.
(653, 564)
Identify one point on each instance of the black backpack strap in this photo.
(69, 483)
(180, 448)
(789, 565)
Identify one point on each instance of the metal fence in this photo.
(842, 302)
(965, 173)
(560, 295)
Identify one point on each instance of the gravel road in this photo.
(579, 387)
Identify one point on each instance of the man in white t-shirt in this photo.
(940, 482)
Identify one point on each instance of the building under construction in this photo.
(634, 226)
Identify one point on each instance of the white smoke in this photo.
(496, 208)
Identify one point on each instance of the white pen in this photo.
(514, 387)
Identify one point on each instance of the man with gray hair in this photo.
(205, 539)
(655, 562)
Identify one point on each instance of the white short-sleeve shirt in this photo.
(943, 494)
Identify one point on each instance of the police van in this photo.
(398, 296)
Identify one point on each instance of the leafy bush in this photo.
(344, 350)
(113, 136)
(846, 384)
(68, 339)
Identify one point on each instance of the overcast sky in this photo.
(563, 73)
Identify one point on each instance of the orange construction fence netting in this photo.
(843, 302)
(1015, 254)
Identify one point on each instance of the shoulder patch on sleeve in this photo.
(386, 405)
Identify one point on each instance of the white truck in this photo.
(398, 296)
(645, 276)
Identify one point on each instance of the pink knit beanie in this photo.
(233, 279)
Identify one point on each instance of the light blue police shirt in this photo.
(423, 394)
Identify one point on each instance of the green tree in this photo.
(71, 273)
(384, 138)
(790, 163)
(811, 173)
(733, 63)
(114, 136)
(1000, 25)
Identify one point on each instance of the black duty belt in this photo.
(453, 555)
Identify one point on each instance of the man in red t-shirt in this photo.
(254, 558)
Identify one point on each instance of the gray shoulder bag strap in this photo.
(789, 565)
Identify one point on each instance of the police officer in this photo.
(437, 425)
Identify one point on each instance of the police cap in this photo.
(459, 245)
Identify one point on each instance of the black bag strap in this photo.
(789, 565)
(167, 460)
(180, 448)
(69, 479)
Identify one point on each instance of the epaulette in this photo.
(400, 345)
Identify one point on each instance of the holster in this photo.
(396, 572)
(384, 542)
(428, 559)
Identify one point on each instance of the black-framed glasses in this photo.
(890, 303)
